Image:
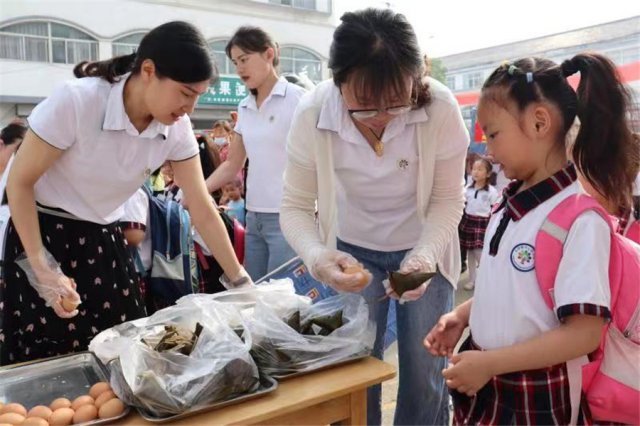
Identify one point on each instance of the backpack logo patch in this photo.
(523, 257)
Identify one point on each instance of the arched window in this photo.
(300, 61)
(127, 44)
(225, 66)
(47, 42)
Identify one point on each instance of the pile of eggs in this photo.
(101, 403)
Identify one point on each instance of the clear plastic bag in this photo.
(280, 349)
(168, 383)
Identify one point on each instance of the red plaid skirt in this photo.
(534, 397)
(471, 230)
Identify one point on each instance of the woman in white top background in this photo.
(264, 118)
(90, 146)
(382, 150)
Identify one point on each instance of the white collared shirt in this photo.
(264, 134)
(105, 159)
(377, 204)
(480, 201)
(508, 307)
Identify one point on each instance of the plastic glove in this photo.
(411, 263)
(243, 280)
(328, 267)
(46, 277)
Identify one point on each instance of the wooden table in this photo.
(338, 394)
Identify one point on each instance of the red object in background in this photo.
(478, 134)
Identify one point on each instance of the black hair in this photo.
(489, 167)
(253, 39)
(209, 155)
(178, 51)
(606, 151)
(380, 49)
(12, 133)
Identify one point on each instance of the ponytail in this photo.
(178, 51)
(606, 151)
(109, 70)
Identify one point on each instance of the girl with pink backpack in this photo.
(557, 284)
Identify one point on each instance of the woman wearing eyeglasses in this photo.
(382, 149)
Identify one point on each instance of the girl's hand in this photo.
(468, 372)
(444, 336)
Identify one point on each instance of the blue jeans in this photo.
(422, 394)
(265, 248)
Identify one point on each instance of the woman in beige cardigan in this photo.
(381, 150)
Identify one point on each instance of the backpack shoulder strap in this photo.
(552, 235)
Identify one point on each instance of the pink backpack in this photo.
(611, 377)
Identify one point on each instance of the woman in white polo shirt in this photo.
(382, 150)
(260, 135)
(91, 145)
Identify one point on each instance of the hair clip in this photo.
(529, 77)
(512, 69)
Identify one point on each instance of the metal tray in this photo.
(319, 368)
(68, 376)
(267, 385)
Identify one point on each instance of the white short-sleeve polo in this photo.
(480, 201)
(377, 196)
(264, 134)
(105, 158)
(508, 307)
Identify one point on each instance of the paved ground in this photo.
(390, 388)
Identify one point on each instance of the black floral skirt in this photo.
(96, 257)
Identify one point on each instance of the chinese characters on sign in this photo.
(227, 91)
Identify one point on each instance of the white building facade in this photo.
(41, 41)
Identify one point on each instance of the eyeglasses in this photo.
(363, 114)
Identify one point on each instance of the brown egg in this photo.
(12, 418)
(112, 408)
(98, 389)
(15, 408)
(80, 401)
(61, 417)
(354, 269)
(104, 397)
(85, 413)
(69, 305)
(60, 403)
(41, 411)
(35, 421)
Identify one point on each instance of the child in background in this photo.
(221, 134)
(234, 203)
(513, 367)
(480, 198)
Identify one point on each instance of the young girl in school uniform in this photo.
(512, 369)
(480, 197)
(124, 119)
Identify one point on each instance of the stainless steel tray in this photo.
(267, 385)
(68, 376)
(319, 368)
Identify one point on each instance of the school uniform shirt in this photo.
(508, 307)
(264, 135)
(480, 201)
(86, 119)
(377, 195)
(136, 216)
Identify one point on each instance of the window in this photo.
(225, 66)
(47, 42)
(126, 45)
(451, 82)
(472, 80)
(317, 5)
(299, 61)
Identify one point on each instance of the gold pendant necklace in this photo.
(378, 146)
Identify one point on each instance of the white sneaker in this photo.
(469, 286)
